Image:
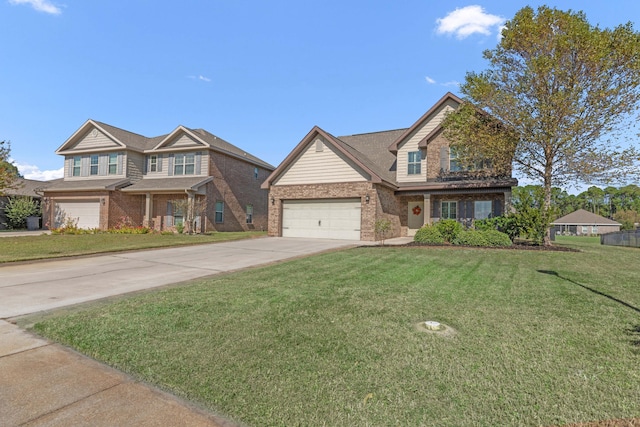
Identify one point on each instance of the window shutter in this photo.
(84, 166)
(102, 164)
(159, 162)
(497, 207)
(444, 159)
(68, 166)
(170, 166)
(436, 209)
(198, 157)
(147, 160)
(120, 157)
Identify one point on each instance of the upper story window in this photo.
(113, 163)
(454, 163)
(184, 164)
(414, 163)
(93, 169)
(153, 163)
(255, 173)
(77, 166)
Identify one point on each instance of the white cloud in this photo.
(34, 172)
(40, 5)
(200, 77)
(468, 20)
(431, 81)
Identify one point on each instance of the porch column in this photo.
(427, 209)
(147, 210)
(507, 202)
(189, 214)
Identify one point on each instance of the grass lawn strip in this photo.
(27, 248)
(331, 339)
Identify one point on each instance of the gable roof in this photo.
(106, 129)
(374, 147)
(447, 97)
(582, 217)
(361, 160)
(219, 144)
(133, 141)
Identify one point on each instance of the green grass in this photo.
(25, 248)
(543, 338)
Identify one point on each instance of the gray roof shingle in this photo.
(582, 217)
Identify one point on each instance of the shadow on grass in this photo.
(555, 273)
(633, 331)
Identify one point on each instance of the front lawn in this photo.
(541, 338)
(25, 248)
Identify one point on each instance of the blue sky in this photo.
(258, 74)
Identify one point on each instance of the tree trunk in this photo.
(546, 208)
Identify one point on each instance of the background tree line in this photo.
(620, 204)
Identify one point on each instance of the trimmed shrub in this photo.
(496, 238)
(429, 234)
(449, 229)
(470, 238)
(18, 208)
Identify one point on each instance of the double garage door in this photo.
(324, 219)
(86, 213)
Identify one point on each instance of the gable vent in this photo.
(319, 145)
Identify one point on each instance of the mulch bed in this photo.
(553, 248)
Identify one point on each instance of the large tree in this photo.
(564, 93)
(8, 171)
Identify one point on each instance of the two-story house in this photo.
(113, 176)
(338, 187)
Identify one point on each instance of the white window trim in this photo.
(448, 202)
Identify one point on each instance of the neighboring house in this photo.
(112, 175)
(584, 223)
(23, 187)
(339, 187)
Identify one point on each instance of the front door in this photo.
(415, 217)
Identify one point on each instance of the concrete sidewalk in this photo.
(45, 384)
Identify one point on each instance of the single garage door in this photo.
(324, 219)
(87, 213)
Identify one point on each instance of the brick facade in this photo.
(382, 204)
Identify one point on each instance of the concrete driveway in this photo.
(33, 287)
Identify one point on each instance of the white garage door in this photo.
(87, 213)
(324, 219)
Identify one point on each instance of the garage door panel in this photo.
(329, 219)
(86, 213)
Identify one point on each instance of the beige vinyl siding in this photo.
(103, 159)
(135, 165)
(411, 144)
(165, 164)
(320, 167)
(182, 141)
(99, 141)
